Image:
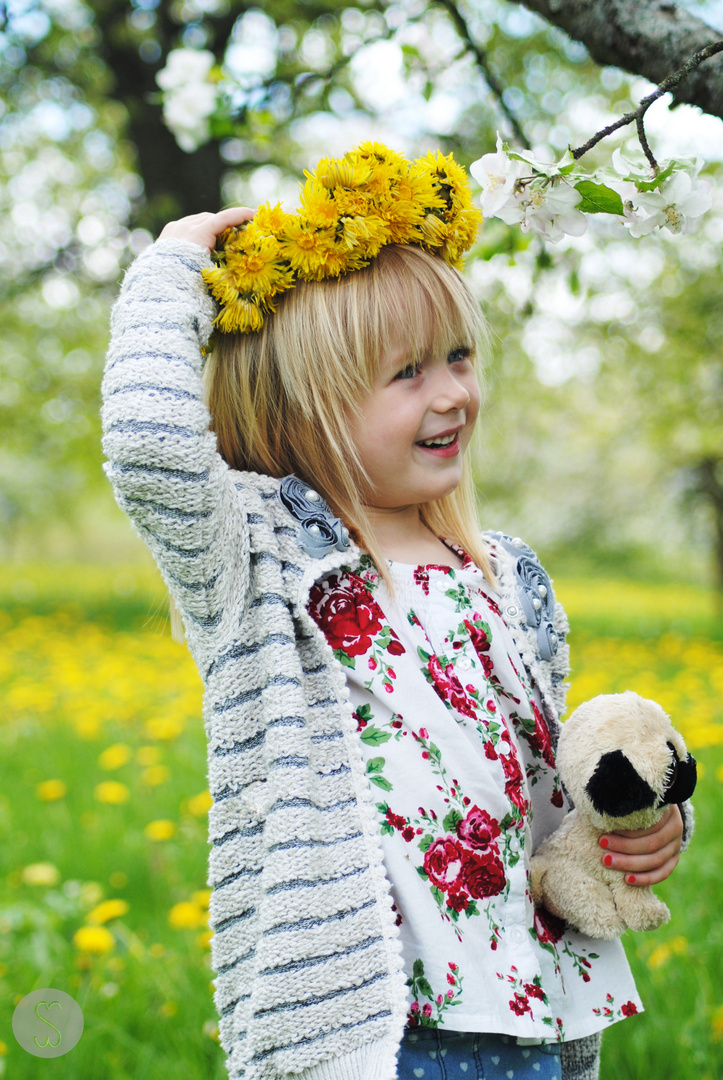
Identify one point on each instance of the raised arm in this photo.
(162, 458)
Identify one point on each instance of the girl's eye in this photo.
(463, 353)
(407, 373)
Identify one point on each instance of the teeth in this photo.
(445, 441)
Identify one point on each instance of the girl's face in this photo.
(414, 427)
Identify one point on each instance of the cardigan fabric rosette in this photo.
(308, 965)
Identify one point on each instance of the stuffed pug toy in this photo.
(622, 763)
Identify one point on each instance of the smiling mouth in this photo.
(439, 440)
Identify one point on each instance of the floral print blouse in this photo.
(456, 746)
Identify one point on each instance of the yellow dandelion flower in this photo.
(434, 231)
(155, 775)
(203, 940)
(148, 755)
(93, 939)
(659, 957)
(50, 790)
(187, 916)
(365, 235)
(41, 873)
(341, 172)
(199, 805)
(109, 909)
(717, 1024)
(313, 253)
(270, 219)
(352, 203)
(111, 791)
(202, 898)
(160, 830)
(164, 728)
(115, 756)
(320, 209)
(3, 1047)
(239, 316)
(169, 1008)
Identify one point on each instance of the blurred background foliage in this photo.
(602, 437)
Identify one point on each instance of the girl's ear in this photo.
(177, 632)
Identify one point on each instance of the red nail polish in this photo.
(631, 879)
(608, 860)
(604, 841)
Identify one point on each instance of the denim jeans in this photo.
(438, 1054)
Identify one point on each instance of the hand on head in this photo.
(202, 229)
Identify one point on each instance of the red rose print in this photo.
(483, 873)
(346, 613)
(540, 739)
(534, 991)
(629, 1009)
(449, 688)
(395, 647)
(443, 862)
(457, 901)
(520, 1005)
(556, 798)
(408, 833)
(514, 780)
(479, 830)
(490, 751)
(548, 927)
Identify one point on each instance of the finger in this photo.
(653, 877)
(669, 828)
(641, 862)
(233, 215)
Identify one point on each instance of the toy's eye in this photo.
(672, 774)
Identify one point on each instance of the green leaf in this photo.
(425, 988)
(375, 764)
(425, 844)
(658, 179)
(422, 873)
(598, 199)
(381, 782)
(374, 736)
(364, 712)
(451, 820)
(343, 658)
(423, 655)
(418, 969)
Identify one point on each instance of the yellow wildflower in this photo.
(313, 253)
(41, 873)
(160, 830)
(187, 916)
(148, 755)
(155, 775)
(111, 791)
(93, 939)
(115, 756)
(199, 805)
(108, 909)
(202, 897)
(270, 219)
(344, 172)
(169, 1008)
(50, 790)
(320, 209)
(717, 1024)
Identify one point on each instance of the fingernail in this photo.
(608, 860)
(604, 841)
(630, 879)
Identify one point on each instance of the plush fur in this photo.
(621, 762)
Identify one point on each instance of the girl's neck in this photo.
(403, 537)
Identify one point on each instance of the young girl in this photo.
(382, 683)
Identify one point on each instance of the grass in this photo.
(104, 799)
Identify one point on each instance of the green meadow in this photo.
(103, 804)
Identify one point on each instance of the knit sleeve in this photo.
(162, 459)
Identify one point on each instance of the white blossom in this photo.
(190, 97)
(550, 211)
(674, 205)
(496, 174)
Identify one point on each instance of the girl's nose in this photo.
(452, 394)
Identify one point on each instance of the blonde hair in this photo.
(279, 398)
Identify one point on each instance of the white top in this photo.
(455, 742)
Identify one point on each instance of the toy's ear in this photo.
(616, 789)
(682, 778)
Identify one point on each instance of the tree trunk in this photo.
(710, 486)
(652, 38)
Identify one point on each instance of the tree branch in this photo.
(637, 115)
(644, 37)
(482, 62)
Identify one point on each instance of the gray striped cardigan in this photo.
(309, 977)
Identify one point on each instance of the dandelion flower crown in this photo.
(351, 208)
